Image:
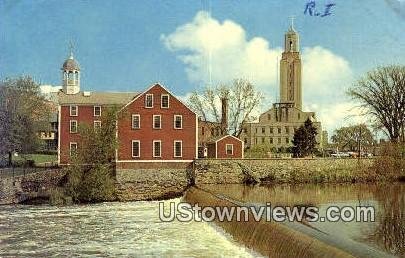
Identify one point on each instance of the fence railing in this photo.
(14, 171)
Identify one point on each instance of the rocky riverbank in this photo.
(38, 185)
(289, 171)
(158, 183)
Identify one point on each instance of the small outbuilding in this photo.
(225, 147)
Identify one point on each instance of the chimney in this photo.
(224, 118)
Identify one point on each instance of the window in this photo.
(136, 121)
(245, 130)
(149, 101)
(136, 150)
(229, 149)
(299, 115)
(178, 149)
(279, 130)
(279, 140)
(287, 130)
(97, 111)
(202, 130)
(178, 121)
(271, 140)
(157, 122)
(74, 111)
(164, 101)
(72, 148)
(263, 129)
(73, 126)
(271, 129)
(263, 139)
(268, 117)
(97, 125)
(245, 140)
(157, 149)
(287, 140)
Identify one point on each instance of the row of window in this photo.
(157, 149)
(136, 122)
(164, 101)
(74, 110)
(156, 145)
(272, 129)
(269, 116)
(271, 140)
(73, 125)
(157, 121)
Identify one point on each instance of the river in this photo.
(134, 229)
(108, 229)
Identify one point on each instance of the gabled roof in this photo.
(219, 138)
(157, 84)
(101, 98)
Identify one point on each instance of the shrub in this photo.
(391, 160)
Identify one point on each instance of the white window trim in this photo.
(168, 100)
(146, 98)
(174, 122)
(153, 148)
(70, 110)
(95, 122)
(181, 148)
(139, 148)
(94, 110)
(153, 121)
(70, 126)
(132, 121)
(70, 147)
(226, 149)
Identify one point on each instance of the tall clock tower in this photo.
(290, 70)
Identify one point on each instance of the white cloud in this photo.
(218, 52)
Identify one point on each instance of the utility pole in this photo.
(359, 142)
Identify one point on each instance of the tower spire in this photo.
(292, 17)
(71, 49)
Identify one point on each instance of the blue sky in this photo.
(127, 45)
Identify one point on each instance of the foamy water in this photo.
(108, 229)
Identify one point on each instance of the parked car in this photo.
(340, 155)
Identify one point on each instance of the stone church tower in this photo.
(290, 70)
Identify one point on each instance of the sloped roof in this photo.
(218, 138)
(70, 64)
(102, 98)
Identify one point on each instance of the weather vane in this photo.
(71, 48)
(292, 17)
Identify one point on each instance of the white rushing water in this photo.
(109, 229)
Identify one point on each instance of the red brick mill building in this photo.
(155, 129)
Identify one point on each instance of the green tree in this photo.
(304, 139)
(348, 137)
(23, 113)
(90, 178)
(382, 96)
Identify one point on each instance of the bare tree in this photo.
(382, 95)
(242, 98)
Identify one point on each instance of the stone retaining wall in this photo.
(211, 171)
(151, 184)
(22, 188)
